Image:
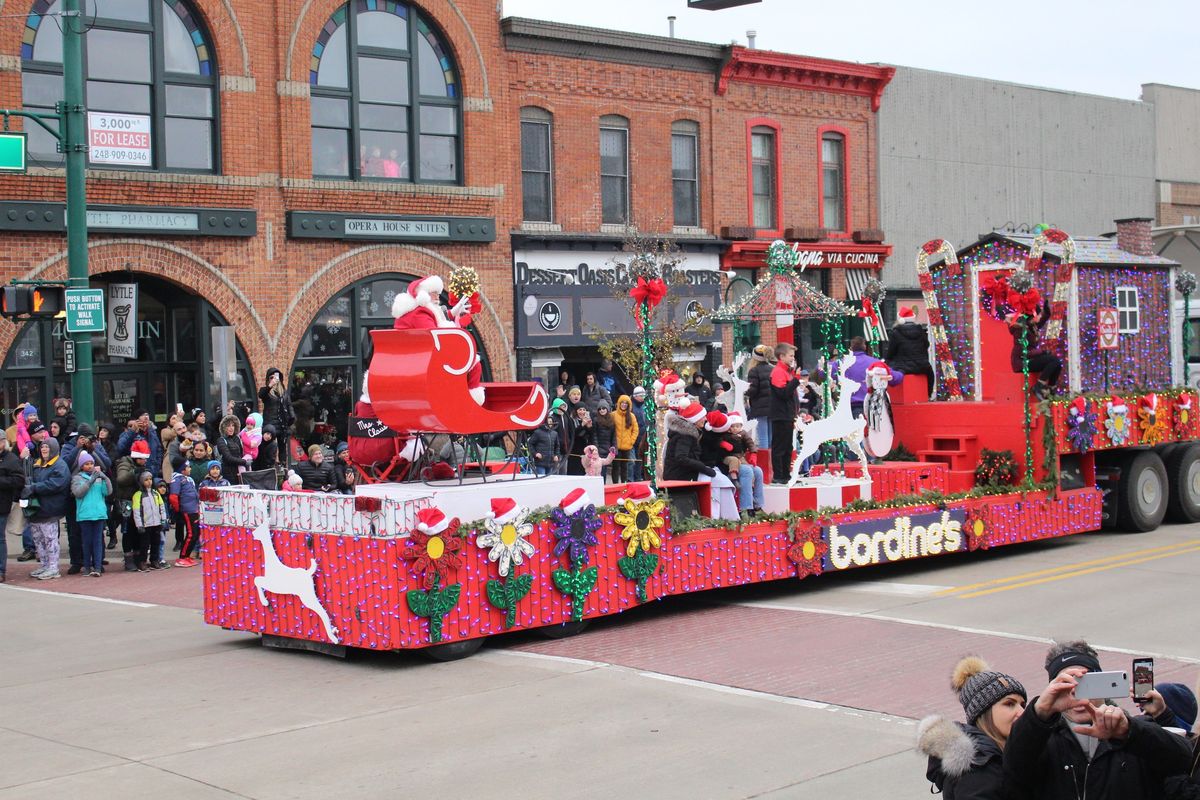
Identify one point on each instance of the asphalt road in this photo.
(790, 690)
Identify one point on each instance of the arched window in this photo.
(150, 74)
(386, 101)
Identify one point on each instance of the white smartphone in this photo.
(1102, 685)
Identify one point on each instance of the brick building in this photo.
(287, 173)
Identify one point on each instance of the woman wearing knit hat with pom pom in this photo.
(966, 760)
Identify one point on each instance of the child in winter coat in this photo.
(185, 502)
(251, 437)
(91, 488)
(593, 464)
(149, 516)
(213, 476)
(627, 430)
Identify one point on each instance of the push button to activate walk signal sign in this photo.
(85, 310)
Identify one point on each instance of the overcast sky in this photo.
(1107, 47)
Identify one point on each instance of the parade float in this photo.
(438, 556)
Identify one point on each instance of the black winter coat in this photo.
(319, 478)
(268, 453)
(230, 454)
(964, 762)
(1187, 787)
(908, 348)
(700, 391)
(681, 458)
(545, 441)
(1043, 761)
(783, 393)
(759, 392)
(604, 436)
(12, 480)
(276, 409)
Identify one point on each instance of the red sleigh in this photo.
(419, 383)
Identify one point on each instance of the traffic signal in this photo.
(33, 301)
(48, 301)
(16, 301)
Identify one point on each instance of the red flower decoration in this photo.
(942, 350)
(808, 552)
(1054, 235)
(932, 246)
(977, 528)
(935, 316)
(926, 281)
(435, 555)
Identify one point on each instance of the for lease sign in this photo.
(119, 139)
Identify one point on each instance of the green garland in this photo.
(649, 408)
(1050, 446)
(1028, 421)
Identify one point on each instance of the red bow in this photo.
(650, 292)
(868, 311)
(1026, 303)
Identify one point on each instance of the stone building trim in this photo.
(10, 63)
(180, 266)
(238, 83)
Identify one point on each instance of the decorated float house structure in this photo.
(440, 565)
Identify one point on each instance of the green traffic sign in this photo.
(12, 151)
(85, 311)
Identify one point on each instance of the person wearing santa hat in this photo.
(682, 459)
(420, 308)
(908, 346)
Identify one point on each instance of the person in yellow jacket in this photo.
(627, 435)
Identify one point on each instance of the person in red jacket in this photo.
(420, 308)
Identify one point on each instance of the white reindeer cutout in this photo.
(739, 387)
(278, 578)
(807, 438)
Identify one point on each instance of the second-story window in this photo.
(385, 97)
(833, 182)
(614, 169)
(150, 90)
(537, 176)
(685, 172)
(762, 176)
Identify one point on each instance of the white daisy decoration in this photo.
(507, 529)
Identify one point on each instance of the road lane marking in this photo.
(1064, 567)
(920, 623)
(11, 588)
(1077, 573)
(783, 699)
(903, 589)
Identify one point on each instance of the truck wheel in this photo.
(565, 629)
(453, 651)
(1143, 492)
(1183, 478)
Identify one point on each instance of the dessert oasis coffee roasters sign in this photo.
(565, 297)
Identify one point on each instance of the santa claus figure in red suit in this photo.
(420, 308)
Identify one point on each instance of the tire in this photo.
(453, 651)
(1183, 479)
(565, 630)
(1143, 493)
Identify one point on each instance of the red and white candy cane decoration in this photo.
(937, 325)
(1062, 279)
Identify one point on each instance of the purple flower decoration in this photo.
(1081, 424)
(575, 532)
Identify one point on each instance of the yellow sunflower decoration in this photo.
(640, 522)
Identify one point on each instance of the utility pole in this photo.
(73, 135)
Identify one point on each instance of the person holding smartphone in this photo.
(966, 760)
(1067, 747)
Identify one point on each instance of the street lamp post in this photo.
(73, 135)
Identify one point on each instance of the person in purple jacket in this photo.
(857, 372)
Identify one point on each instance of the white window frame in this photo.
(1128, 310)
